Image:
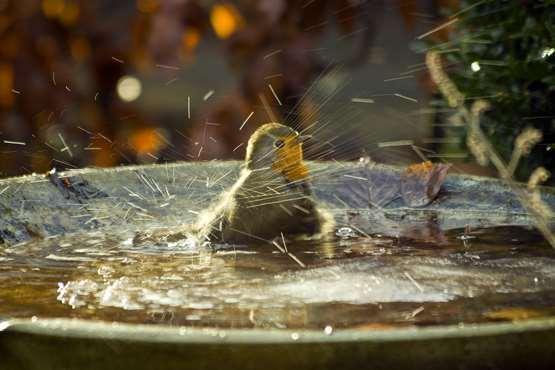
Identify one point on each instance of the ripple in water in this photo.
(354, 282)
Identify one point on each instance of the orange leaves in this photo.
(419, 169)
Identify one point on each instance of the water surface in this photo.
(363, 282)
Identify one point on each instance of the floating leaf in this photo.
(421, 182)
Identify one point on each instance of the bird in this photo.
(271, 198)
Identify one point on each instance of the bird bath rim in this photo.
(80, 328)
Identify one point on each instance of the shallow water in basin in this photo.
(366, 282)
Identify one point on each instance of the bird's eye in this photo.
(278, 143)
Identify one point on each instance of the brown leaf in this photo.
(420, 183)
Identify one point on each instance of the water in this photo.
(489, 274)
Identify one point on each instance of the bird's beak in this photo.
(304, 138)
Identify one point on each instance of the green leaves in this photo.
(511, 44)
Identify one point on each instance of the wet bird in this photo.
(272, 196)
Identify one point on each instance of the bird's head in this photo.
(278, 148)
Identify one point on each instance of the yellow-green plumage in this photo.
(271, 197)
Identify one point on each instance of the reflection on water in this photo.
(492, 274)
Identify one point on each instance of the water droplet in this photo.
(345, 233)
(105, 271)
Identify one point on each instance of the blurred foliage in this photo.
(504, 51)
(61, 62)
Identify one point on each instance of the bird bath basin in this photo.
(464, 281)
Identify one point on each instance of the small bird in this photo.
(271, 198)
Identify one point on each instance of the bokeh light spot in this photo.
(190, 39)
(547, 52)
(225, 20)
(147, 140)
(147, 6)
(53, 8)
(70, 14)
(129, 88)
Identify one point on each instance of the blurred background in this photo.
(104, 83)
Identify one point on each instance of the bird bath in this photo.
(464, 281)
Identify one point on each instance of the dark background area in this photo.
(103, 83)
